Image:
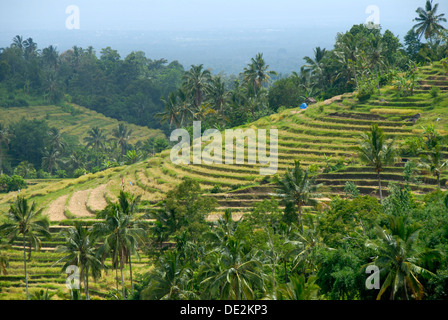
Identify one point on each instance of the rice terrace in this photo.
(355, 140)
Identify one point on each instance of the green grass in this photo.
(73, 124)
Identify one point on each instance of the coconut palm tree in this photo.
(315, 65)
(80, 248)
(298, 288)
(431, 157)
(121, 236)
(377, 152)
(218, 95)
(96, 139)
(4, 262)
(169, 280)
(257, 73)
(398, 257)
(25, 220)
(30, 48)
(376, 57)
(299, 187)
(171, 112)
(232, 272)
(18, 43)
(128, 205)
(196, 84)
(56, 139)
(5, 138)
(51, 159)
(429, 21)
(50, 57)
(122, 135)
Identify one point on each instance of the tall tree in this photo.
(218, 95)
(122, 135)
(196, 83)
(431, 156)
(51, 159)
(299, 187)
(169, 280)
(171, 113)
(429, 21)
(80, 249)
(5, 138)
(96, 139)
(257, 73)
(232, 272)
(50, 57)
(315, 66)
(121, 233)
(398, 259)
(18, 43)
(25, 220)
(376, 151)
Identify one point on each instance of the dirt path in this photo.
(77, 204)
(96, 198)
(56, 210)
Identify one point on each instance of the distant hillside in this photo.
(74, 120)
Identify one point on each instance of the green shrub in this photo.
(351, 190)
(61, 174)
(13, 183)
(216, 189)
(434, 92)
(41, 174)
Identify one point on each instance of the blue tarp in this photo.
(303, 106)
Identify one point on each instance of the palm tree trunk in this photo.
(438, 180)
(1, 157)
(300, 217)
(130, 273)
(86, 283)
(122, 279)
(378, 82)
(379, 185)
(116, 277)
(24, 262)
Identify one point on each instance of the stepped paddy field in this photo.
(324, 135)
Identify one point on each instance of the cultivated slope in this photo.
(327, 129)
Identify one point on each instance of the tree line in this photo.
(136, 89)
(31, 149)
(270, 253)
(128, 89)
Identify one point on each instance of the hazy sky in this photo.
(223, 34)
(203, 14)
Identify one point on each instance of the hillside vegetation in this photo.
(73, 120)
(325, 135)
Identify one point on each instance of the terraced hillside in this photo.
(323, 135)
(73, 120)
(43, 275)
